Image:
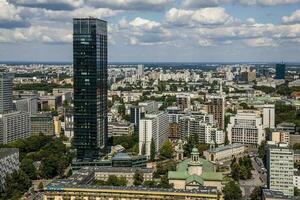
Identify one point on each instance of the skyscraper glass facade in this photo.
(280, 71)
(90, 87)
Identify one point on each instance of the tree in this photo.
(28, 167)
(121, 110)
(256, 193)
(235, 171)
(202, 148)
(164, 182)
(115, 181)
(138, 178)
(149, 184)
(16, 184)
(296, 191)
(166, 150)
(232, 191)
(152, 151)
(262, 150)
(41, 186)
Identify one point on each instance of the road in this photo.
(258, 178)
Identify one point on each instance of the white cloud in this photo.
(205, 43)
(10, 16)
(194, 4)
(293, 18)
(144, 23)
(260, 42)
(203, 16)
(131, 4)
(51, 4)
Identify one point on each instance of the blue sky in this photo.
(156, 30)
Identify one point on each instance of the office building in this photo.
(286, 127)
(120, 129)
(136, 114)
(9, 162)
(183, 101)
(246, 128)
(42, 123)
(153, 127)
(6, 92)
(216, 107)
(90, 87)
(140, 71)
(14, 126)
(174, 114)
(280, 166)
(280, 71)
(29, 105)
(269, 116)
(225, 153)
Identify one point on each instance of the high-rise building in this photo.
(280, 166)
(136, 114)
(246, 128)
(90, 87)
(13, 126)
(280, 71)
(269, 116)
(6, 90)
(183, 101)
(140, 71)
(216, 107)
(153, 127)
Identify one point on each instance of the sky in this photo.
(155, 30)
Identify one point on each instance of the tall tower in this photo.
(90, 87)
(6, 90)
(280, 71)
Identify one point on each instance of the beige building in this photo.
(102, 173)
(195, 173)
(124, 193)
(281, 137)
(57, 126)
(120, 129)
(224, 153)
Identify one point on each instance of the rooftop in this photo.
(226, 147)
(4, 152)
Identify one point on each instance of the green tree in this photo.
(138, 178)
(152, 151)
(149, 184)
(235, 171)
(232, 191)
(164, 182)
(115, 181)
(166, 150)
(256, 193)
(41, 186)
(28, 167)
(16, 184)
(262, 150)
(296, 192)
(122, 109)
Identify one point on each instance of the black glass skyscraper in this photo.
(280, 71)
(90, 87)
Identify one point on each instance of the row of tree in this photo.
(241, 169)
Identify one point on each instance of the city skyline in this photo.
(156, 31)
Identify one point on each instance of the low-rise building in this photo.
(102, 173)
(120, 129)
(225, 153)
(9, 162)
(276, 195)
(195, 173)
(281, 137)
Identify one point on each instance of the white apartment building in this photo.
(246, 128)
(280, 165)
(13, 126)
(153, 126)
(199, 127)
(296, 179)
(269, 116)
(9, 162)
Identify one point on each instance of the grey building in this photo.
(42, 123)
(13, 126)
(29, 105)
(9, 162)
(6, 85)
(90, 87)
(280, 165)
